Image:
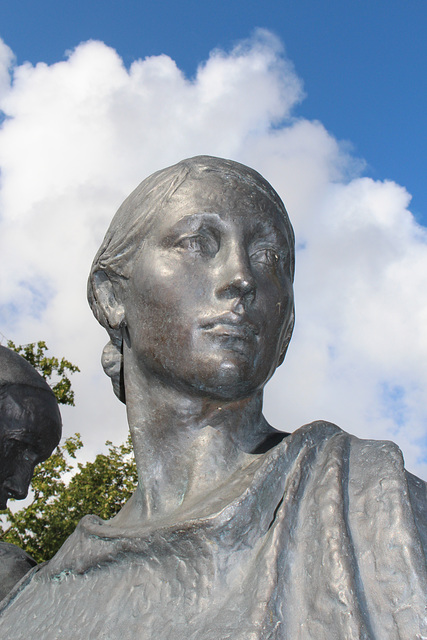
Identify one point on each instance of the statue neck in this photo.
(187, 445)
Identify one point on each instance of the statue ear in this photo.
(109, 308)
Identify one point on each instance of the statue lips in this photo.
(233, 330)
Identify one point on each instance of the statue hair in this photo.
(25, 395)
(131, 224)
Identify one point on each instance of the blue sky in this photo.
(79, 135)
(363, 62)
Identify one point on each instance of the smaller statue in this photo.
(30, 429)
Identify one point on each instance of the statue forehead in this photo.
(214, 192)
(212, 184)
(14, 369)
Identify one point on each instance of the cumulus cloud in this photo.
(80, 134)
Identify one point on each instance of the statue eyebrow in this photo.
(269, 230)
(193, 222)
(200, 215)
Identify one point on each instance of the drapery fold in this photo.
(320, 538)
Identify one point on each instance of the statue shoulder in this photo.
(14, 564)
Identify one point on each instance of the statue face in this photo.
(210, 296)
(26, 439)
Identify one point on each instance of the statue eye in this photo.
(192, 243)
(27, 455)
(266, 255)
(200, 243)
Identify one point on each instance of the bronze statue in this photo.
(30, 429)
(236, 530)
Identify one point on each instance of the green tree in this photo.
(100, 487)
(50, 368)
(63, 491)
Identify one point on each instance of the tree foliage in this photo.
(100, 487)
(50, 368)
(64, 491)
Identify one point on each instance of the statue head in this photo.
(30, 424)
(195, 273)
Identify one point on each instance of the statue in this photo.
(236, 530)
(30, 429)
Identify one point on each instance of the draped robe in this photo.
(323, 537)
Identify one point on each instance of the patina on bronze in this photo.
(30, 428)
(236, 530)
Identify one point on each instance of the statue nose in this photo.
(17, 485)
(242, 287)
(16, 490)
(237, 280)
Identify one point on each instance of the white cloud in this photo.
(361, 345)
(80, 134)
